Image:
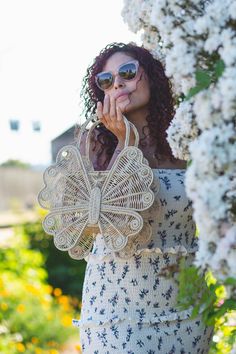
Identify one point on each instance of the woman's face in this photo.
(129, 95)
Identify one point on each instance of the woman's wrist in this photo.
(121, 142)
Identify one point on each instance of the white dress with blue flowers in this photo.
(129, 298)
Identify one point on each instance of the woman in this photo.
(129, 298)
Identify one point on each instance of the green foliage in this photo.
(204, 78)
(63, 271)
(219, 67)
(15, 163)
(209, 297)
(189, 163)
(34, 317)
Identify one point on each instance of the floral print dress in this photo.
(129, 297)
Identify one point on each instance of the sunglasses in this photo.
(127, 72)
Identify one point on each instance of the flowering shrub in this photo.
(34, 317)
(63, 271)
(196, 41)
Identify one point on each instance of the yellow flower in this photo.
(51, 343)
(57, 292)
(53, 351)
(38, 351)
(32, 289)
(20, 308)
(63, 299)
(34, 340)
(48, 289)
(78, 347)
(20, 347)
(66, 321)
(4, 306)
(4, 292)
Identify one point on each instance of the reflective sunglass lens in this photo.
(104, 80)
(128, 71)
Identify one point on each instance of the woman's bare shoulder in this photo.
(94, 142)
(95, 147)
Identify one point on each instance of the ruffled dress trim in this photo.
(145, 251)
(155, 318)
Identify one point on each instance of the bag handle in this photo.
(97, 121)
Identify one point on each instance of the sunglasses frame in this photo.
(120, 66)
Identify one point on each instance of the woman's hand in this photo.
(111, 116)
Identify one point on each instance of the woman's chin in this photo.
(124, 106)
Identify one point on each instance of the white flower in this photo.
(215, 151)
(201, 25)
(203, 109)
(212, 42)
(232, 9)
(182, 130)
(223, 261)
(227, 51)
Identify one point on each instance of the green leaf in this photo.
(203, 78)
(230, 281)
(192, 92)
(189, 163)
(219, 68)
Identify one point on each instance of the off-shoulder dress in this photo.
(129, 298)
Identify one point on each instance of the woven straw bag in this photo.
(84, 202)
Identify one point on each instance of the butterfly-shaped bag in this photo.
(84, 202)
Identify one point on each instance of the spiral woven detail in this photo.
(45, 195)
(134, 224)
(76, 252)
(119, 242)
(144, 172)
(147, 197)
(50, 221)
(132, 154)
(61, 242)
(52, 172)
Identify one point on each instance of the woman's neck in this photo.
(139, 119)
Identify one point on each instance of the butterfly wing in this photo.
(137, 242)
(128, 183)
(116, 225)
(66, 226)
(67, 194)
(66, 182)
(83, 244)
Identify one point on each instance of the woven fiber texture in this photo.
(83, 202)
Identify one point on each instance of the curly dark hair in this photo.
(161, 104)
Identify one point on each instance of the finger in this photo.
(113, 113)
(99, 110)
(106, 106)
(119, 114)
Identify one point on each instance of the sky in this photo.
(45, 48)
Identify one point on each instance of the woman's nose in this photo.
(118, 82)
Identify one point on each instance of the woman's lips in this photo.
(122, 97)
